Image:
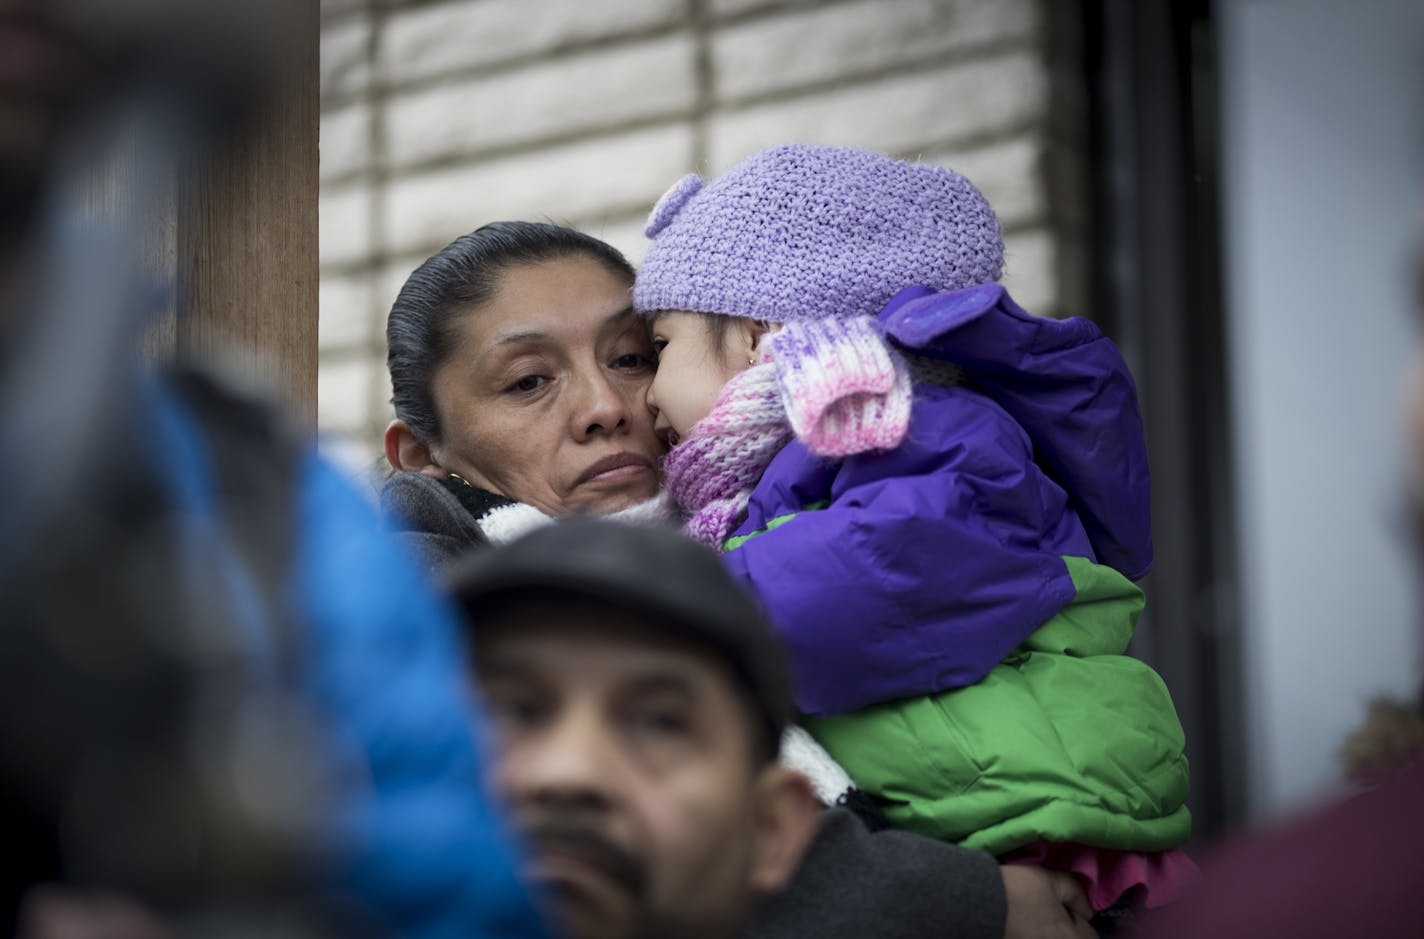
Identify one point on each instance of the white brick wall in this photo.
(1030, 269)
(346, 316)
(440, 115)
(344, 226)
(345, 66)
(345, 390)
(345, 141)
(732, 7)
(639, 82)
(572, 183)
(804, 47)
(625, 234)
(454, 36)
(896, 113)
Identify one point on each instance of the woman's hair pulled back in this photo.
(423, 326)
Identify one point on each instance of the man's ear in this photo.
(788, 815)
(405, 452)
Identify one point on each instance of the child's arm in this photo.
(929, 565)
(1067, 386)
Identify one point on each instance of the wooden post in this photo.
(246, 240)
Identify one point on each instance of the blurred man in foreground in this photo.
(638, 703)
(638, 699)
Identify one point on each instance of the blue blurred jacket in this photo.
(413, 836)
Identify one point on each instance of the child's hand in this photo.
(1044, 904)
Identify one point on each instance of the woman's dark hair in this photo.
(422, 327)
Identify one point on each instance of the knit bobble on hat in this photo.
(671, 203)
(803, 232)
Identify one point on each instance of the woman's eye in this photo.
(632, 360)
(527, 384)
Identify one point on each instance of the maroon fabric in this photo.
(1352, 869)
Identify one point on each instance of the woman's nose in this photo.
(600, 408)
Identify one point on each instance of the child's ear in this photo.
(757, 329)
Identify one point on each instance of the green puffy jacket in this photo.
(1067, 739)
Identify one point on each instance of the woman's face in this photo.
(544, 398)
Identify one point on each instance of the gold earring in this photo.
(751, 360)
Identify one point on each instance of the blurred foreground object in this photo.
(1352, 868)
(225, 698)
(1391, 736)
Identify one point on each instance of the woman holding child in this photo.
(521, 376)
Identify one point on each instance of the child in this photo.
(940, 500)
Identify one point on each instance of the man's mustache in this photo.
(588, 844)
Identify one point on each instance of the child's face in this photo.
(692, 368)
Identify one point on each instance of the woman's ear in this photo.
(406, 453)
(788, 815)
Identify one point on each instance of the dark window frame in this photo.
(1155, 285)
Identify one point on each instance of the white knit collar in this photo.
(505, 523)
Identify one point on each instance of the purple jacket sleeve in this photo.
(929, 564)
(1065, 383)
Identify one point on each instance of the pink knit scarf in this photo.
(836, 385)
(711, 472)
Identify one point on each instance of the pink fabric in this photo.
(845, 390)
(1159, 877)
(710, 474)
(837, 386)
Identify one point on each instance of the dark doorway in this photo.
(1155, 286)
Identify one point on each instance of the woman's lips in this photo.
(617, 468)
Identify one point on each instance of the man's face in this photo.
(627, 761)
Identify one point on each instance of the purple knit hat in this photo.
(802, 232)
